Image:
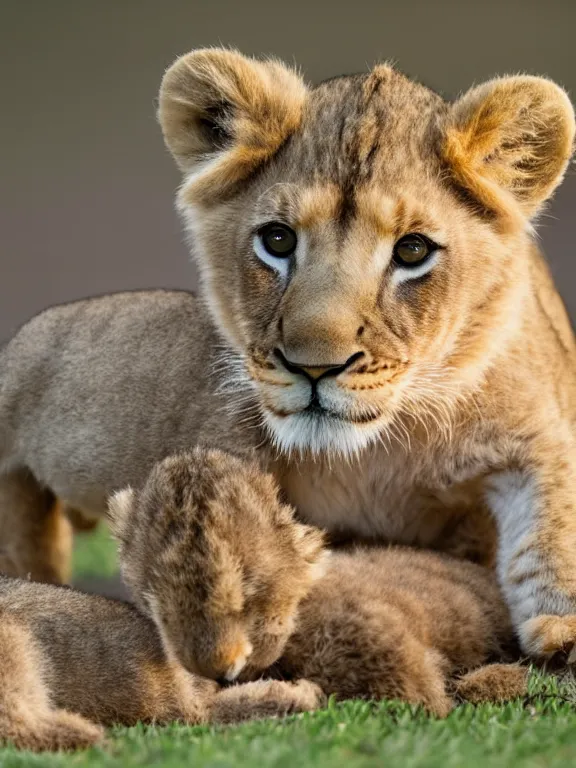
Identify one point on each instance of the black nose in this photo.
(316, 372)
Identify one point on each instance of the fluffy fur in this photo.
(451, 388)
(207, 549)
(72, 663)
(229, 585)
(236, 587)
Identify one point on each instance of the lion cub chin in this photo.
(236, 586)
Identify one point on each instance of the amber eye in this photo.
(278, 240)
(412, 250)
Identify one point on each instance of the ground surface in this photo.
(537, 732)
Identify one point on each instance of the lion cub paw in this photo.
(266, 698)
(542, 637)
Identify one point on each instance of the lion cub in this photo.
(235, 586)
(71, 663)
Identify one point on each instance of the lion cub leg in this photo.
(536, 515)
(545, 636)
(356, 655)
(27, 718)
(35, 534)
(265, 698)
(493, 682)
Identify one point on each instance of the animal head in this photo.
(219, 564)
(364, 245)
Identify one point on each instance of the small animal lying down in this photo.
(71, 663)
(227, 587)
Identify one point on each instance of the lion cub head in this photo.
(364, 245)
(213, 557)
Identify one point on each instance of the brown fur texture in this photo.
(493, 682)
(399, 623)
(209, 552)
(235, 587)
(72, 663)
(401, 405)
(46, 529)
(218, 96)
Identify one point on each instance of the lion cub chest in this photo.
(387, 496)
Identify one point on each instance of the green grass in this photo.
(95, 554)
(537, 732)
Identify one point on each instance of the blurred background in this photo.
(86, 186)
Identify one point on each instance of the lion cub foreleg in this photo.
(265, 698)
(535, 510)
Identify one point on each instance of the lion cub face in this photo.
(216, 561)
(362, 244)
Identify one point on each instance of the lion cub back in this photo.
(398, 623)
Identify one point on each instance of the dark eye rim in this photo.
(431, 245)
(268, 227)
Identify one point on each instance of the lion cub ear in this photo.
(509, 141)
(222, 114)
(120, 507)
(311, 548)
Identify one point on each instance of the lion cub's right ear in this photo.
(509, 142)
(222, 114)
(120, 507)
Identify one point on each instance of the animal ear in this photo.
(222, 114)
(509, 141)
(119, 510)
(310, 543)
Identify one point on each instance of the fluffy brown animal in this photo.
(376, 324)
(232, 597)
(236, 585)
(71, 663)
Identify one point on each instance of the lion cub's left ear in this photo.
(223, 114)
(508, 142)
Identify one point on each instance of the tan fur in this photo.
(40, 543)
(494, 682)
(236, 587)
(72, 663)
(223, 93)
(543, 636)
(206, 537)
(398, 623)
(445, 401)
(371, 622)
(468, 378)
(511, 138)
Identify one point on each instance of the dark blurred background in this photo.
(86, 186)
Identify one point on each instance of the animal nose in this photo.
(315, 372)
